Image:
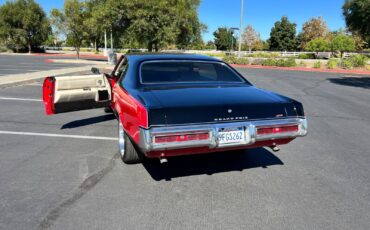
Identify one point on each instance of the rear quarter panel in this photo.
(131, 112)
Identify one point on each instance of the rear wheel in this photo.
(128, 151)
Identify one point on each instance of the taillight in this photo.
(274, 130)
(181, 137)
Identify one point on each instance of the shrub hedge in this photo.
(332, 63)
(290, 62)
(263, 55)
(235, 60)
(346, 64)
(358, 60)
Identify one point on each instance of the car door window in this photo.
(121, 68)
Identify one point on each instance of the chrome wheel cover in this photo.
(121, 138)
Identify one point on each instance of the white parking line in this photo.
(27, 70)
(19, 99)
(58, 135)
(33, 84)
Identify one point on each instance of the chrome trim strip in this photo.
(147, 135)
(226, 122)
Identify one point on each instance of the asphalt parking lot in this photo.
(17, 64)
(63, 171)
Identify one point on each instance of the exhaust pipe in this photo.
(275, 148)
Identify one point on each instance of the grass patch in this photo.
(317, 65)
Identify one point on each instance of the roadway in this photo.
(22, 63)
(64, 182)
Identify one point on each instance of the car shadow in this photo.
(362, 82)
(209, 164)
(88, 121)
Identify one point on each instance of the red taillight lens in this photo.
(273, 130)
(182, 137)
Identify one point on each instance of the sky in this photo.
(261, 14)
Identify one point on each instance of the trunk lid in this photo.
(190, 105)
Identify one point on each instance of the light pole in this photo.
(105, 43)
(240, 27)
(232, 36)
(111, 40)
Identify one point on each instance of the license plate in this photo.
(231, 135)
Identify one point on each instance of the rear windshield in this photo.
(187, 71)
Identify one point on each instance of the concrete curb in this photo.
(77, 61)
(18, 79)
(345, 71)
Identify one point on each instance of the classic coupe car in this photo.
(176, 104)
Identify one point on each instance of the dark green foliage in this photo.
(23, 25)
(224, 39)
(188, 24)
(357, 16)
(283, 36)
(135, 24)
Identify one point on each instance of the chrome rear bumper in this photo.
(147, 136)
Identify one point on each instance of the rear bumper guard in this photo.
(147, 136)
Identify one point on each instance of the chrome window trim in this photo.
(243, 81)
(250, 128)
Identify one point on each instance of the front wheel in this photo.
(129, 153)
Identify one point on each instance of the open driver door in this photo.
(72, 93)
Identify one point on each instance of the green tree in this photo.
(283, 35)
(152, 23)
(110, 16)
(342, 43)
(161, 23)
(188, 24)
(314, 28)
(210, 45)
(224, 38)
(94, 29)
(318, 45)
(357, 16)
(23, 23)
(71, 21)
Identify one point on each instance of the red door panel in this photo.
(48, 95)
(64, 94)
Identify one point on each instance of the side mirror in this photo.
(95, 70)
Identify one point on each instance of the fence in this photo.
(214, 52)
